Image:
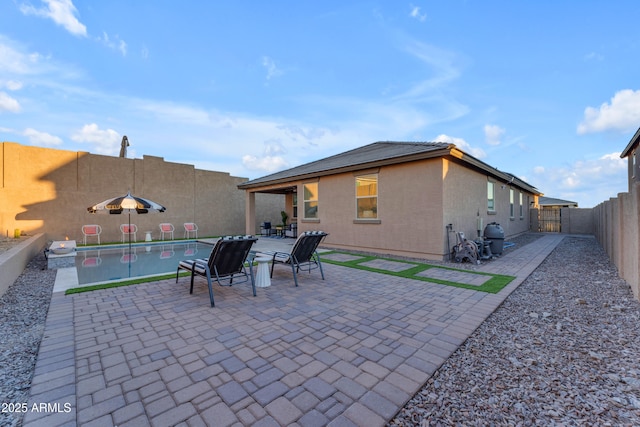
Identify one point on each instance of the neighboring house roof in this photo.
(631, 145)
(550, 201)
(381, 154)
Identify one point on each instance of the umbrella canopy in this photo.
(127, 203)
(119, 204)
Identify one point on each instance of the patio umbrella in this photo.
(127, 203)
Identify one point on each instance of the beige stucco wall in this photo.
(47, 190)
(465, 202)
(577, 221)
(617, 228)
(408, 223)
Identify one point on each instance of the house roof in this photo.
(550, 201)
(631, 145)
(380, 154)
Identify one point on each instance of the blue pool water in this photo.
(101, 264)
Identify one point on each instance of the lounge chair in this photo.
(92, 230)
(303, 254)
(226, 262)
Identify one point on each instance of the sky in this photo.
(545, 90)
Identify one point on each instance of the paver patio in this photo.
(349, 350)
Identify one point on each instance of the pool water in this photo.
(100, 264)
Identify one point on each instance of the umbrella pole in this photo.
(129, 230)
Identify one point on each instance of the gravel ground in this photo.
(23, 312)
(561, 350)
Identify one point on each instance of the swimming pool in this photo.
(102, 264)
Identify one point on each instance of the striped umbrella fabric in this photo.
(129, 203)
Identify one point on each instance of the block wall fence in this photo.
(617, 228)
(44, 190)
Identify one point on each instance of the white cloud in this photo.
(8, 103)
(41, 139)
(116, 44)
(12, 60)
(588, 181)
(622, 114)
(441, 61)
(593, 56)
(17, 65)
(415, 13)
(103, 141)
(12, 85)
(271, 67)
(265, 163)
(62, 12)
(462, 144)
(493, 134)
(272, 159)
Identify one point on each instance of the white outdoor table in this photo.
(263, 279)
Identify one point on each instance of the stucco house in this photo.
(397, 198)
(554, 203)
(631, 153)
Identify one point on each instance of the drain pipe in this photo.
(449, 231)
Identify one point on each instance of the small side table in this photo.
(263, 279)
(148, 237)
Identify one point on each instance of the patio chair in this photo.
(166, 228)
(291, 230)
(265, 229)
(303, 254)
(190, 228)
(92, 230)
(128, 230)
(225, 263)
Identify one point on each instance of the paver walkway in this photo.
(347, 351)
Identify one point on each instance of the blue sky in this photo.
(546, 90)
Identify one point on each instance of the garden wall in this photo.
(43, 190)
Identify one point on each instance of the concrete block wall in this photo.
(617, 228)
(44, 190)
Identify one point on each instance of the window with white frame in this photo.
(491, 200)
(367, 196)
(521, 207)
(511, 201)
(294, 204)
(311, 200)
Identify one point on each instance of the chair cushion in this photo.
(200, 266)
(281, 257)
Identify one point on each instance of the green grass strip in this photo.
(109, 285)
(494, 285)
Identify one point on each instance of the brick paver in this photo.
(350, 350)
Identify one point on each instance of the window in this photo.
(294, 204)
(491, 205)
(521, 207)
(633, 164)
(367, 196)
(311, 200)
(511, 207)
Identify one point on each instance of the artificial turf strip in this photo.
(110, 285)
(492, 286)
